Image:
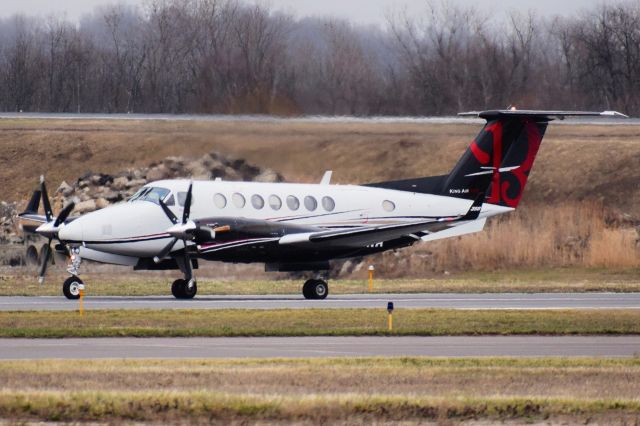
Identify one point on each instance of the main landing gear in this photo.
(185, 288)
(315, 289)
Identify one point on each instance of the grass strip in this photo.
(552, 280)
(315, 322)
(211, 406)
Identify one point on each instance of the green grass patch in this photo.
(211, 406)
(315, 322)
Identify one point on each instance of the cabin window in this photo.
(171, 201)
(328, 204)
(293, 202)
(310, 203)
(388, 205)
(238, 200)
(257, 201)
(275, 202)
(220, 201)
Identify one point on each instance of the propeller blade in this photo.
(187, 205)
(64, 214)
(34, 202)
(44, 262)
(165, 251)
(45, 200)
(172, 217)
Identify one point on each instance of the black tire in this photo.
(177, 288)
(70, 288)
(307, 289)
(181, 289)
(190, 291)
(320, 290)
(315, 289)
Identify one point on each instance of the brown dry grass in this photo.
(351, 391)
(583, 235)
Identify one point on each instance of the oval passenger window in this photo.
(238, 200)
(388, 205)
(310, 203)
(220, 201)
(275, 202)
(328, 204)
(257, 201)
(293, 202)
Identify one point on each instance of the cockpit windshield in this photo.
(152, 194)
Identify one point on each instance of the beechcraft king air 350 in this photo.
(174, 224)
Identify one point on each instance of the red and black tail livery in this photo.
(497, 162)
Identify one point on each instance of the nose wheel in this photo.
(71, 287)
(184, 289)
(315, 289)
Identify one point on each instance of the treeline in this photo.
(225, 56)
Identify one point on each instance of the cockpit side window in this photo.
(171, 201)
(182, 198)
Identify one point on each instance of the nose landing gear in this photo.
(72, 285)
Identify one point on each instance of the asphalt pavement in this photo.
(401, 301)
(299, 347)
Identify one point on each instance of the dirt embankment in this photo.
(576, 163)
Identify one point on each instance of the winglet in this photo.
(326, 178)
(475, 209)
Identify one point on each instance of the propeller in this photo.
(184, 229)
(50, 228)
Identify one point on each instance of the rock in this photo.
(198, 171)
(136, 183)
(120, 183)
(101, 203)
(85, 207)
(267, 176)
(65, 189)
(110, 195)
(157, 173)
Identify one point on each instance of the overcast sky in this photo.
(360, 11)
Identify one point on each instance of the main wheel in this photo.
(315, 289)
(71, 287)
(183, 289)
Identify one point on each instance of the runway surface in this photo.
(298, 347)
(424, 300)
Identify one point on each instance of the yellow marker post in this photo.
(371, 269)
(81, 289)
(390, 310)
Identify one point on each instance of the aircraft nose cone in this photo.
(72, 232)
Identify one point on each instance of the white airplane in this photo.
(173, 224)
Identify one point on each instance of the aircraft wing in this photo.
(365, 235)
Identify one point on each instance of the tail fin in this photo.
(499, 159)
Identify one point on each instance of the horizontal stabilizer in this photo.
(540, 114)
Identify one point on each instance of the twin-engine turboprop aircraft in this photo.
(174, 224)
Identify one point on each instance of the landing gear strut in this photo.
(315, 289)
(72, 285)
(185, 288)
